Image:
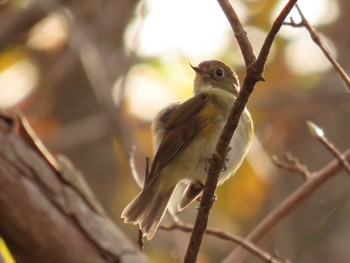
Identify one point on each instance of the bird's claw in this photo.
(206, 169)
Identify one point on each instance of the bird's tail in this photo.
(148, 208)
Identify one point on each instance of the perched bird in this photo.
(184, 139)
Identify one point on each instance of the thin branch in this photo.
(291, 163)
(318, 41)
(140, 235)
(318, 133)
(140, 242)
(263, 255)
(265, 49)
(292, 23)
(300, 194)
(254, 74)
(239, 32)
(147, 168)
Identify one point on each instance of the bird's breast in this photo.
(212, 121)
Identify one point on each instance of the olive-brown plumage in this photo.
(184, 137)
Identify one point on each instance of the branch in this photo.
(47, 212)
(177, 224)
(265, 49)
(263, 255)
(254, 74)
(239, 32)
(300, 194)
(291, 163)
(318, 41)
(318, 133)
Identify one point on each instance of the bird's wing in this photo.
(182, 124)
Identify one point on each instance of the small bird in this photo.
(184, 139)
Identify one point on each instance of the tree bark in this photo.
(47, 212)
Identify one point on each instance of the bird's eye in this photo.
(219, 72)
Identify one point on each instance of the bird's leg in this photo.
(206, 169)
(208, 160)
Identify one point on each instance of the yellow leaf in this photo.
(5, 252)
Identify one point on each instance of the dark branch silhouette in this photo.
(254, 74)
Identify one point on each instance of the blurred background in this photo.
(91, 75)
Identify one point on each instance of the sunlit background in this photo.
(172, 34)
(90, 78)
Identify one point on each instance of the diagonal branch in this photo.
(254, 74)
(292, 164)
(300, 194)
(239, 32)
(318, 41)
(263, 255)
(318, 133)
(265, 49)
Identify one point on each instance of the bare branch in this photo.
(140, 236)
(321, 137)
(318, 41)
(239, 32)
(300, 194)
(265, 49)
(263, 255)
(140, 242)
(254, 74)
(291, 163)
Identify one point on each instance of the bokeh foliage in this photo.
(82, 106)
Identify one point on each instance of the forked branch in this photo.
(318, 41)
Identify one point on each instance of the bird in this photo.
(184, 138)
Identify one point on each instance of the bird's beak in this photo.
(197, 69)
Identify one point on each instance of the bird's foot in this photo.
(207, 169)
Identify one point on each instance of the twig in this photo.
(318, 133)
(265, 49)
(254, 74)
(140, 240)
(318, 41)
(263, 255)
(140, 235)
(300, 194)
(239, 32)
(147, 168)
(291, 163)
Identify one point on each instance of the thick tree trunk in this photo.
(47, 212)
